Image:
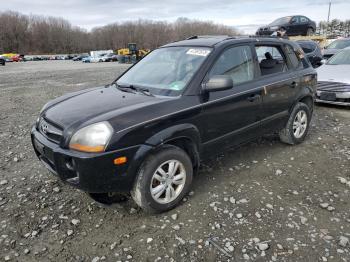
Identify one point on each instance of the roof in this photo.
(213, 40)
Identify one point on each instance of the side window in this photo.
(293, 59)
(295, 20)
(271, 60)
(303, 19)
(236, 62)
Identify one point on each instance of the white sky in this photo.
(245, 15)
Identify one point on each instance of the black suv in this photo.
(146, 132)
(292, 25)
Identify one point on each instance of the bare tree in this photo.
(47, 35)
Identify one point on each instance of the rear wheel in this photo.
(309, 32)
(297, 126)
(163, 180)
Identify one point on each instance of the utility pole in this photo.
(329, 13)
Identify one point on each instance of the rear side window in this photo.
(303, 19)
(236, 62)
(271, 60)
(293, 59)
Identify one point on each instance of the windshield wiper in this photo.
(133, 89)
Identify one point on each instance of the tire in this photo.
(146, 180)
(309, 32)
(290, 134)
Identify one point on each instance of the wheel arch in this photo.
(184, 136)
(306, 96)
(308, 100)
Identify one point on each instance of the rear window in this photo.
(307, 47)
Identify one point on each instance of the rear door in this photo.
(280, 84)
(294, 26)
(232, 116)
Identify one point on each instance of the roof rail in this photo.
(207, 36)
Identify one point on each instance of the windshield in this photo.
(166, 71)
(342, 58)
(281, 21)
(339, 44)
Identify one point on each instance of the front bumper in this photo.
(94, 173)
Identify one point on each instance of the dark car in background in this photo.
(146, 132)
(335, 47)
(292, 25)
(2, 61)
(312, 51)
(80, 57)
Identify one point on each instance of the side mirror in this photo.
(218, 83)
(323, 61)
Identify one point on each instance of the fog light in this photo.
(120, 160)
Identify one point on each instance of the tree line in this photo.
(335, 27)
(33, 34)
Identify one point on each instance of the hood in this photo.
(334, 73)
(84, 106)
(331, 51)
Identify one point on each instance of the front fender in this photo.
(178, 131)
(172, 133)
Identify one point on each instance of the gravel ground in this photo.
(264, 201)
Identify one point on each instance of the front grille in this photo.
(333, 92)
(333, 86)
(50, 130)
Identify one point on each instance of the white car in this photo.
(334, 80)
(92, 59)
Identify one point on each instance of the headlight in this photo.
(93, 138)
(274, 27)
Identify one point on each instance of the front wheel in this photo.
(297, 126)
(163, 180)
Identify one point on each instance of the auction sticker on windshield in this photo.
(198, 52)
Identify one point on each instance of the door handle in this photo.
(293, 84)
(252, 98)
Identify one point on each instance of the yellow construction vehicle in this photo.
(131, 54)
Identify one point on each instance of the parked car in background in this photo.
(80, 57)
(292, 25)
(335, 47)
(16, 58)
(146, 132)
(109, 58)
(8, 59)
(312, 51)
(2, 61)
(334, 80)
(93, 59)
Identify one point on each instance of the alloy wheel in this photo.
(168, 181)
(300, 124)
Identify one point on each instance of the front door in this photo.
(232, 116)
